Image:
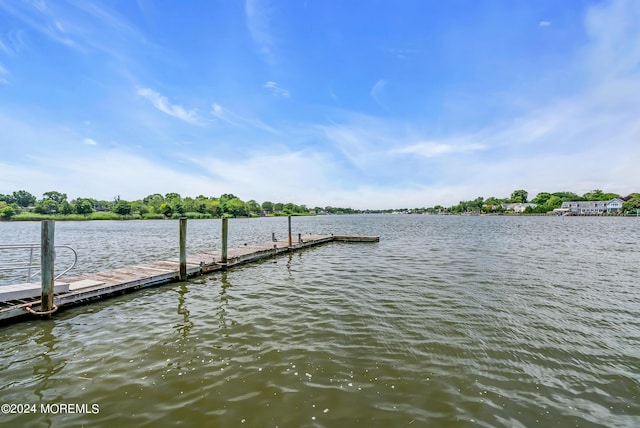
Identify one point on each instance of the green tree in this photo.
(599, 195)
(594, 195)
(235, 207)
(492, 200)
(214, 207)
(190, 205)
(632, 205)
(290, 208)
(166, 209)
(469, 206)
(227, 196)
(568, 196)
(122, 207)
(139, 207)
(8, 199)
(82, 206)
(7, 211)
(553, 202)
(519, 196)
(23, 198)
(65, 208)
(541, 198)
(609, 196)
(153, 202)
(267, 206)
(53, 202)
(57, 197)
(253, 207)
(46, 206)
(177, 207)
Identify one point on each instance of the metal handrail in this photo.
(30, 265)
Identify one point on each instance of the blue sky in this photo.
(366, 104)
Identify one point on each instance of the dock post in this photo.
(225, 236)
(183, 248)
(47, 256)
(299, 238)
(290, 243)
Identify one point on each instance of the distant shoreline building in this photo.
(517, 207)
(590, 207)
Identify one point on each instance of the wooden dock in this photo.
(80, 289)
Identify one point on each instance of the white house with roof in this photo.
(591, 207)
(614, 205)
(517, 207)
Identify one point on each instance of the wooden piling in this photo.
(47, 256)
(183, 248)
(290, 243)
(225, 236)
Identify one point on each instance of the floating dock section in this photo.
(21, 301)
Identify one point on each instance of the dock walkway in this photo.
(76, 290)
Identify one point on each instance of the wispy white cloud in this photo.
(433, 149)
(358, 139)
(258, 18)
(162, 103)
(222, 114)
(13, 41)
(3, 72)
(79, 25)
(90, 142)
(41, 17)
(276, 90)
(377, 90)
(4, 48)
(239, 121)
(544, 23)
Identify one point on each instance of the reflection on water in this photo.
(448, 321)
(186, 325)
(224, 300)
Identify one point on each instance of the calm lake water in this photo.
(448, 321)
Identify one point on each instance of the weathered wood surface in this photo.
(47, 257)
(102, 284)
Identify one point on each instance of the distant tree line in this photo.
(22, 205)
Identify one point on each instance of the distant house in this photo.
(614, 205)
(518, 207)
(591, 207)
